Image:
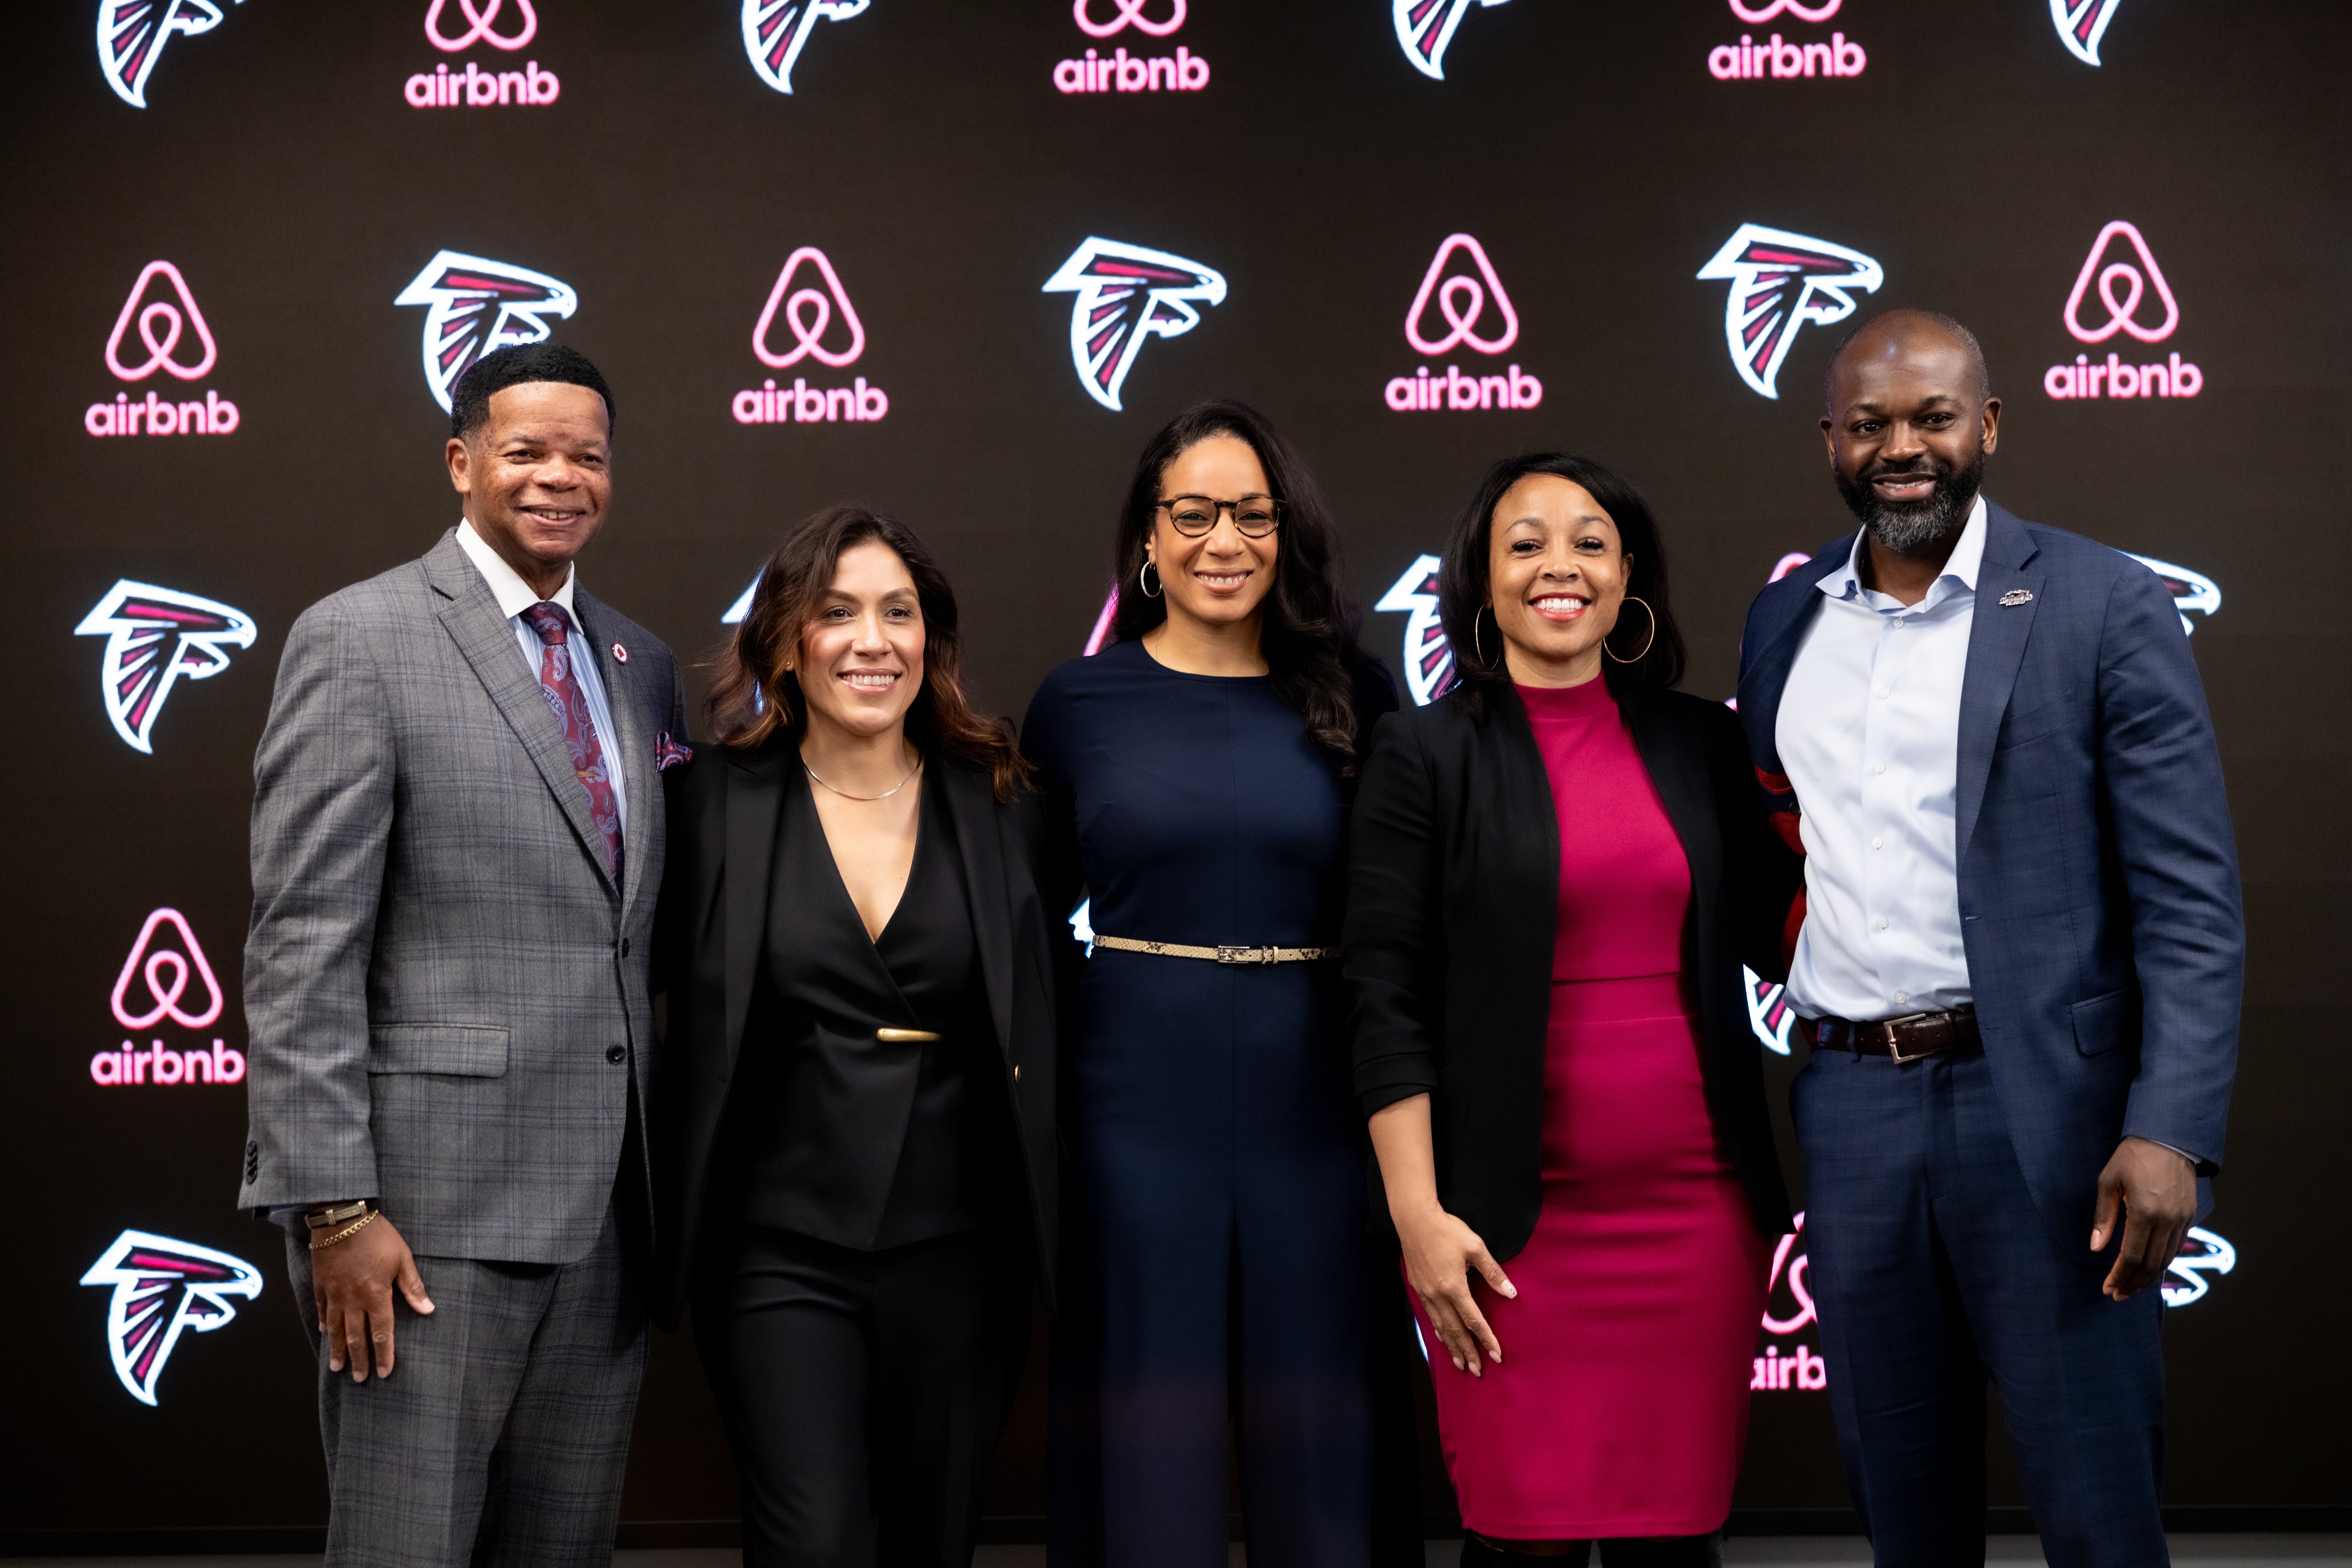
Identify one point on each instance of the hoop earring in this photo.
(1647, 642)
(1478, 636)
(1149, 591)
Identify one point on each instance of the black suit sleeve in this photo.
(1760, 876)
(1390, 955)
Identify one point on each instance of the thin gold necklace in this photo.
(886, 795)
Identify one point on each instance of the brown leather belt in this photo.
(1905, 1040)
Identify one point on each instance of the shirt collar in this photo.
(514, 595)
(1960, 573)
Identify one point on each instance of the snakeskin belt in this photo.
(1218, 955)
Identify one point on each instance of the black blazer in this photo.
(724, 807)
(1453, 898)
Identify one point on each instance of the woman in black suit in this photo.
(854, 1145)
(1557, 870)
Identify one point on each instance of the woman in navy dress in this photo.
(1196, 774)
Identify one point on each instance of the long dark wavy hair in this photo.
(1463, 591)
(1310, 624)
(753, 696)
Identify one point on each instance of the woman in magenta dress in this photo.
(1558, 870)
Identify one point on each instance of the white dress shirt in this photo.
(514, 596)
(1869, 732)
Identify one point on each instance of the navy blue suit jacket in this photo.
(2098, 872)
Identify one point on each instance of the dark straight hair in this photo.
(753, 696)
(1310, 624)
(1462, 590)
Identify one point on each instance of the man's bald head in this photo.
(1893, 334)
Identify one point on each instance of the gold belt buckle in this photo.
(1244, 956)
(1894, 1049)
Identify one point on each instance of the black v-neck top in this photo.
(859, 1142)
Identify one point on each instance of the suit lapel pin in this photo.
(2014, 596)
(621, 655)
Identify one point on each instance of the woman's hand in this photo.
(1439, 1249)
(1439, 1253)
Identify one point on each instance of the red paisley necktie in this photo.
(562, 689)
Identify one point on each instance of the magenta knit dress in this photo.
(1620, 1407)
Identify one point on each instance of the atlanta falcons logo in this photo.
(1778, 282)
(775, 31)
(2081, 24)
(132, 34)
(477, 306)
(2190, 590)
(162, 1287)
(154, 636)
(1769, 1013)
(2202, 1254)
(1428, 657)
(1424, 27)
(1125, 294)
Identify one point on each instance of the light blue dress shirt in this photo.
(1869, 730)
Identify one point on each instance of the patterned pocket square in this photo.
(668, 753)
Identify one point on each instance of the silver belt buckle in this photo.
(1244, 956)
(1894, 1051)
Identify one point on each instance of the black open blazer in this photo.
(724, 810)
(1453, 896)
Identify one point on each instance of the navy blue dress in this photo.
(1215, 1233)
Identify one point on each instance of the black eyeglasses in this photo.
(1256, 516)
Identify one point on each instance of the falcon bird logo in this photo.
(2202, 1255)
(1769, 1013)
(2081, 24)
(775, 31)
(476, 305)
(162, 1288)
(2190, 590)
(1125, 294)
(132, 34)
(1423, 28)
(1778, 282)
(154, 636)
(1428, 657)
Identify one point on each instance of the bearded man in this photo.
(2019, 968)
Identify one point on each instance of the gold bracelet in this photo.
(323, 1243)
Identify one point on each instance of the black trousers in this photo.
(865, 1392)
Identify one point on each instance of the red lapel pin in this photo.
(620, 654)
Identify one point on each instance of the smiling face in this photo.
(537, 476)
(860, 659)
(1223, 576)
(1556, 571)
(1910, 426)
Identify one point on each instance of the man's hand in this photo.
(352, 1284)
(2155, 1188)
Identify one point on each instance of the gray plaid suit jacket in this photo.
(447, 995)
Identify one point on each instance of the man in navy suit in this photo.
(2019, 967)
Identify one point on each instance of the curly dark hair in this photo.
(1310, 624)
(752, 696)
(1462, 585)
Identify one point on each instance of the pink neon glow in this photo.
(1130, 13)
(807, 333)
(166, 988)
(1102, 625)
(1788, 564)
(1796, 1277)
(480, 32)
(177, 318)
(2119, 311)
(1821, 13)
(1462, 319)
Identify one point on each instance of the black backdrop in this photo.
(927, 152)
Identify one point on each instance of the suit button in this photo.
(625, 947)
(616, 1055)
(1017, 1072)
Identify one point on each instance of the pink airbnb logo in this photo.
(1128, 13)
(1473, 310)
(2128, 287)
(1781, 59)
(810, 314)
(171, 330)
(167, 977)
(479, 27)
(166, 973)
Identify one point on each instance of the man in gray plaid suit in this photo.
(457, 849)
